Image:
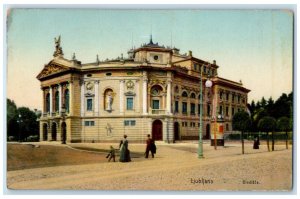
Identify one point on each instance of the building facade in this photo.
(155, 90)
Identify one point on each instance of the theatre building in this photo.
(154, 90)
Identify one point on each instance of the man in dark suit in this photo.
(150, 146)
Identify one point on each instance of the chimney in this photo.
(214, 61)
(190, 53)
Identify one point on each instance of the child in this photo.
(111, 154)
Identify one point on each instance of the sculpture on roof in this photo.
(58, 50)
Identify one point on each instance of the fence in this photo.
(236, 135)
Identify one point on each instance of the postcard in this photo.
(150, 99)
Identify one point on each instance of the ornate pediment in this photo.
(129, 93)
(51, 69)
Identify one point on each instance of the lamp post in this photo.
(19, 122)
(63, 126)
(208, 84)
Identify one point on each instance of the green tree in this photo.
(270, 107)
(268, 124)
(241, 121)
(12, 113)
(263, 102)
(282, 106)
(283, 124)
(29, 124)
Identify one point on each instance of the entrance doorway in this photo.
(63, 133)
(54, 131)
(157, 130)
(45, 132)
(207, 136)
(176, 131)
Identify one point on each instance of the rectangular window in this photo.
(232, 98)
(198, 109)
(129, 103)
(184, 107)
(129, 123)
(208, 110)
(227, 96)
(239, 99)
(89, 123)
(182, 124)
(155, 104)
(126, 122)
(89, 104)
(232, 111)
(195, 66)
(227, 112)
(176, 107)
(221, 110)
(193, 109)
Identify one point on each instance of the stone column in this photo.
(51, 100)
(60, 97)
(97, 97)
(82, 98)
(145, 89)
(44, 101)
(169, 97)
(122, 84)
(71, 97)
(137, 100)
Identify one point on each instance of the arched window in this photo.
(67, 98)
(48, 102)
(184, 94)
(156, 90)
(56, 101)
(193, 95)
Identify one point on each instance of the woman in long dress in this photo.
(124, 152)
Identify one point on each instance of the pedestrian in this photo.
(111, 154)
(150, 147)
(256, 142)
(124, 151)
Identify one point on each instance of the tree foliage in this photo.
(21, 122)
(12, 113)
(241, 121)
(282, 107)
(267, 124)
(283, 124)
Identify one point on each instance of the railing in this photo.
(158, 111)
(55, 114)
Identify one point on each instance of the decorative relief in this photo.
(51, 69)
(108, 129)
(157, 81)
(130, 85)
(89, 89)
(89, 86)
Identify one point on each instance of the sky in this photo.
(255, 46)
